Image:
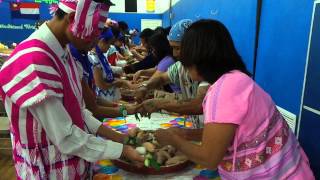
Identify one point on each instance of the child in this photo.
(142, 53)
(107, 87)
(139, 52)
(99, 110)
(116, 51)
(244, 133)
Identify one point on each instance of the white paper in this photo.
(150, 23)
(153, 123)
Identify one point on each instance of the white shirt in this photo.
(58, 125)
(69, 138)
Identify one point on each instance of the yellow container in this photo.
(151, 5)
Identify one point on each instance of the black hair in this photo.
(123, 26)
(208, 45)
(146, 34)
(107, 2)
(161, 46)
(167, 30)
(160, 30)
(115, 31)
(60, 14)
(118, 35)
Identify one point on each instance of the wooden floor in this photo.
(7, 171)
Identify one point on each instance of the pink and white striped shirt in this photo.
(49, 126)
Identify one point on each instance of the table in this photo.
(190, 173)
(157, 120)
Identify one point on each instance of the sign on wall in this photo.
(19, 27)
(47, 1)
(150, 23)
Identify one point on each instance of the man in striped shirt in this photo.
(53, 135)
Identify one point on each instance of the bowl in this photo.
(151, 171)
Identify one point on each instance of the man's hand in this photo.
(110, 134)
(132, 154)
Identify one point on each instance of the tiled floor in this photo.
(4, 123)
(7, 171)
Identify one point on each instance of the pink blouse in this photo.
(264, 146)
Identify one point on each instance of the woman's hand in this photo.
(134, 52)
(178, 131)
(149, 106)
(165, 137)
(118, 83)
(132, 109)
(122, 83)
(140, 94)
(136, 76)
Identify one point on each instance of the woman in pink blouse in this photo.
(244, 136)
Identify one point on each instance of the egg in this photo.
(141, 150)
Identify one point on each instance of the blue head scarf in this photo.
(86, 65)
(177, 31)
(106, 36)
(121, 38)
